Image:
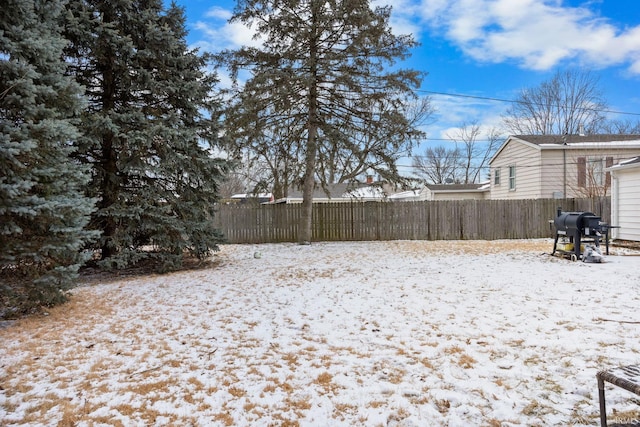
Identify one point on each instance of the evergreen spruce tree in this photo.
(43, 211)
(148, 131)
(329, 67)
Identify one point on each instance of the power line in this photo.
(456, 140)
(513, 101)
(516, 164)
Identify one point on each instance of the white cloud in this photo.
(218, 34)
(537, 34)
(218, 13)
(403, 13)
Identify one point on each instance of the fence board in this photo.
(429, 220)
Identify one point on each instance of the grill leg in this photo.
(603, 409)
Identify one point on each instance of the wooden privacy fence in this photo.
(426, 220)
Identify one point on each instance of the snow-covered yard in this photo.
(335, 334)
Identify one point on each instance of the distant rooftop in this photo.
(456, 187)
(573, 139)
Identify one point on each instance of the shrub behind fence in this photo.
(427, 220)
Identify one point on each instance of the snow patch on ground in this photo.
(400, 333)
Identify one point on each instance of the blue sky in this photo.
(488, 48)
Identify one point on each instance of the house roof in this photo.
(626, 164)
(410, 194)
(340, 191)
(557, 142)
(576, 139)
(457, 187)
(330, 191)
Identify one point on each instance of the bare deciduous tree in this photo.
(438, 165)
(626, 127)
(265, 143)
(590, 178)
(379, 146)
(571, 102)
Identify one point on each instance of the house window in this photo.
(597, 171)
(591, 171)
(512, 177)
(496, 176)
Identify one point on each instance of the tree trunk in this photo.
(109, 187)
(109, 190)
(306, 219)
(308, 186)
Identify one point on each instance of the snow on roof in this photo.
(458, 187)
(573, 140)
(633, 162)
(405, 194)
(251, 195)
(368, 192)
(593, 144)
(630, 161)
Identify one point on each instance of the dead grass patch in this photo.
(421, 399)
(251, 407)
(126, 409)
(150, 387)
(299, 405)
(443, 405)
(105, 420)
(501, 383)
(473, 247)
(533, 360)
(225, 418)
(376, 404)
(624, 417)
(396, 375)
(198, 385)
(19, 388)
(535, 408)
(286, 387)
(237, 392)
(341, 410)
(40, 409)
(324, 380)
(291, 359)
(69, 417)
(427, 363)
(454, 349)
(283, 422)
(467, 362)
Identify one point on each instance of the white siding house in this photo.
(625, 199)
(558, 166)
(456, 191)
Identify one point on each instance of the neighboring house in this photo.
(249, 198)
(456, 191)
(558, 166)
(344, 192)
(625, 199)
(407, 196)
(375, 192)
